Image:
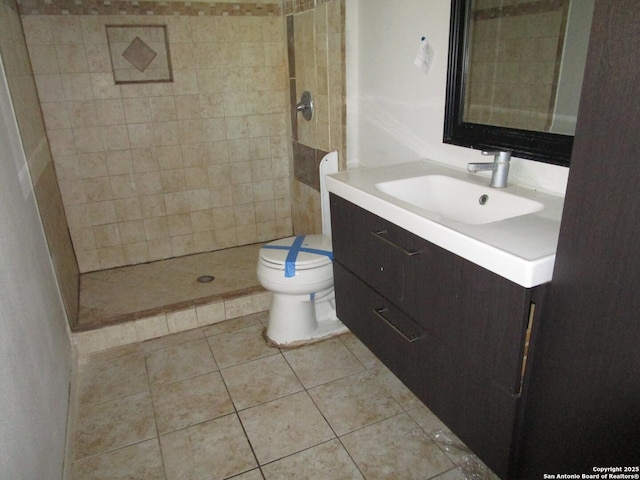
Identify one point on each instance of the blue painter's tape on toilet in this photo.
(294, 250)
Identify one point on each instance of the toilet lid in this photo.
(298, 253)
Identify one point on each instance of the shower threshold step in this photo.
(171, 319)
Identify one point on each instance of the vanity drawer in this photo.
(384, 255)
(397, 340)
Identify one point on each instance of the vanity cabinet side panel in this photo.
(583, 403)
(480, 316)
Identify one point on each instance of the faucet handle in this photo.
(500, 156)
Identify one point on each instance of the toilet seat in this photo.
(299, 253)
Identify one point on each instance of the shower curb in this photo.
(167, 323)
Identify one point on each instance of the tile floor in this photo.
(218, 402)
(122, 294)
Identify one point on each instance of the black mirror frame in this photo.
(540, 146)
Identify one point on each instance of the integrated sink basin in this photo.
(511, 231)
(459, 200)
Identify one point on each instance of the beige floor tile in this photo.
(360, 350)
(460, 454)
(102, 380)
(354, 402)
(284, 426)
(149, 346)
(395, 448)
(212, 450)
(110, 354)
(453, 474)
(260, 381)
(141, 461)
(399, 390)
(191, 401)
(201, 437)
(251, 475)
(179, 362)
(322, 362)
(427, 420)
(327, 461)
(101, 427)
(240, 346)
(473, 468)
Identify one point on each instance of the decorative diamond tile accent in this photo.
(139, 54)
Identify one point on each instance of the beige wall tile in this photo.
(101, 213)
(159, 248)
(136, 252)
(132, 231)
(192, 140)
(183, 245)
(110, 257)
(156, 228)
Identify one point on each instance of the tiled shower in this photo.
(163, 165)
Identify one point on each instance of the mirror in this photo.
(515, 75)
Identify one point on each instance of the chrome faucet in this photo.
(499, 167)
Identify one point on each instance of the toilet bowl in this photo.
(298, 271)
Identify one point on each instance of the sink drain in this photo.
(483, 199)
(205, 278)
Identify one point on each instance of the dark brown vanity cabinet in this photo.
(452, 331)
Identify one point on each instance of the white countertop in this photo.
(521, 249)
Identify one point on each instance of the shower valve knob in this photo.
(305, 106)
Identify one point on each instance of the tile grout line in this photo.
(155, 421)
(235, 409)
(237, 415)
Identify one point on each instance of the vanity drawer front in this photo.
(382, 254)
(392, 336)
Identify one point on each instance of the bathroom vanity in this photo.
(455, 332)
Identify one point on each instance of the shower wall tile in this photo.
(22, 79)
(316, 61)
(151, 171)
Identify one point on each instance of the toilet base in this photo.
(325, 330)
(296, 320)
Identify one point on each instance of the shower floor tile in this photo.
(119, 295)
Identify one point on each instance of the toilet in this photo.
(298, 271)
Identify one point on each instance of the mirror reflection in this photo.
(525, 63)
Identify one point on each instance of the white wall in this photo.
(35, 352)
(395, 113)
